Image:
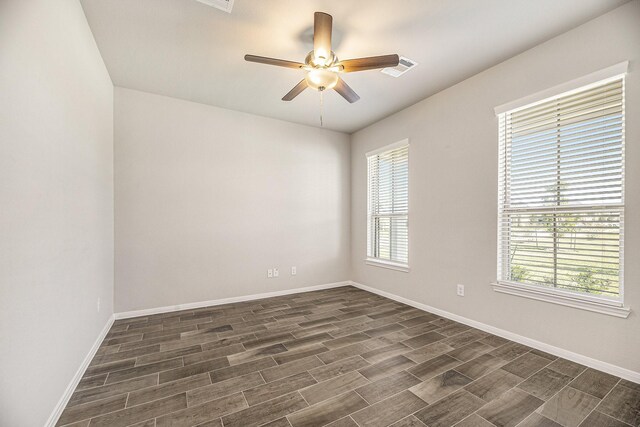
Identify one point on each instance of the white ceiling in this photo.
(188, 50)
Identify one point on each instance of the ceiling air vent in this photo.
(405, 65)
(225, 5)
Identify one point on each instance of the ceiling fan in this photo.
(322, 65)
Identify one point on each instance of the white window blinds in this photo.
(388, 205)
(561, 198)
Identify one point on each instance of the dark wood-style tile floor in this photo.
(341, 357)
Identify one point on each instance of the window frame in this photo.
(585, 301)
(374, 261)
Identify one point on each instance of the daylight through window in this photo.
(561, 198)
(388, 205)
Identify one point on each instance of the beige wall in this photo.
(453, 193)
(208, 199)
(56, 203)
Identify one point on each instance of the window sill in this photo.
(387, 264)
(611, 308)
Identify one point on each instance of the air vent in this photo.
(405, 65)
(225, 5)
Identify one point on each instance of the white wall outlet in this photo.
(270, 273)
(276, 273)
(460, 290)
(294, 271)
(98, 305)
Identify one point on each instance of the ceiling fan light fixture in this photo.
(321, 79)
(322, 67)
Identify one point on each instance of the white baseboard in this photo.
(200, 304)
(556, 351)
(62, 403)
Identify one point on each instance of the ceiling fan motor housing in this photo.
(321, 59)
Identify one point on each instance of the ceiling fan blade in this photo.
(322, 23)
(297, 90)
(370, 63)
(273, 61)
(345, 90)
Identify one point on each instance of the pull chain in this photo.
(321, 108)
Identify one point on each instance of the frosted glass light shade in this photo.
(321, 79)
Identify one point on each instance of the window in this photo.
(561, 195)
(388, 206)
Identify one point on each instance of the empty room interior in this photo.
(342, 213)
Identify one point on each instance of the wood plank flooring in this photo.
(338, 357)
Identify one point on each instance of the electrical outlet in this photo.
(293, 271)
(270, 273)
(98, 305)
(276, 273)
(460, 290)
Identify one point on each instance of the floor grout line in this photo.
(601, 400)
